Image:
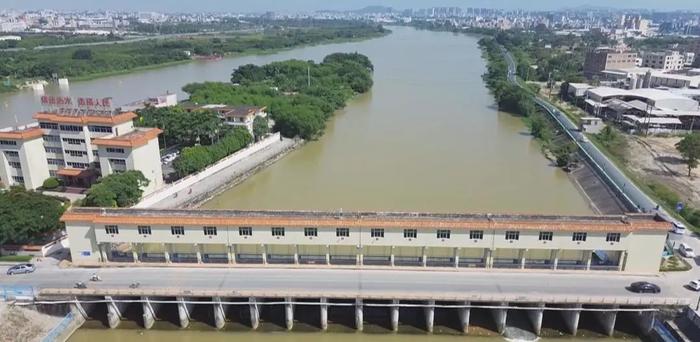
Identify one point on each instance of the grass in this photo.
(16, 258)
(674, 264)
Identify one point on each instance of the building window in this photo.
(54, 138)
(546, 236)
(52, 161)
(144, 230)
(16, 165)
(476, 234)
(71, 141)
(443, 234)
(613, 237)
(78, 165)
(410, 233)
(74, 153)
(177, 230)
(71, 128)
(245, 231)
(53, 173)
(209, 231)
(277, 231)
(112, 230)
(100, 129)
(8, 142)
(48, 125)
(12, 153)
(120, 162)
(579, 236)
(52, 149)
(18, 179)
(310, 232)
(377, 232)
(342, 232)
(115, 150)
(512, 235)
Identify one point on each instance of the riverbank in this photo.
(23, 324)
(171, 52)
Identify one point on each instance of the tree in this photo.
(260, 127)
(117, 190)
(689, 148)
(564, 154)
(82, 54)
(28, 216)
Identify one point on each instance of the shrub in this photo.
(51, 183)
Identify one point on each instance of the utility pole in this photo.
(308, 75)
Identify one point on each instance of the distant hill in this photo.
(374, 9)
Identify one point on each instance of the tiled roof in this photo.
(136, 138)
(23, 134)
(86, 119)
(615, 223)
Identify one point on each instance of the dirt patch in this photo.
(657, 160)
(18, 324)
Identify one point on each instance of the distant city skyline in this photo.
(311, 5)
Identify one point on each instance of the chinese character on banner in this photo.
(81, 102)
(44, 100)
(107, 102)
(68, 101)
(52, 100)
(89, 102)
(59, 101)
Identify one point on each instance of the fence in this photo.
(16, 292)
(60, 329)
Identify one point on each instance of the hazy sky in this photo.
(308, 5)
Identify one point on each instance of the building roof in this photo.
(84, 119)
(21, 133)
(137, 137)
(242, 111)
(237, 218)
(72, 172)
(654, 120)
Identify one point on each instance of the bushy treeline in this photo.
(196, 158)
(122, 189)
(300, 95)
(28, 216)
(65, 62)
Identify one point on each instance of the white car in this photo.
(694, 285)
(21, 269)
(686, 251)
(678, 227)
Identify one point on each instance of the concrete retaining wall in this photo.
(202, 185)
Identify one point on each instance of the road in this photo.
(421, 283)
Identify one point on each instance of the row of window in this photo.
(120, 162)
(18, 179)
(115, 150)
(374, 232)
(100, 129)
(78, 165)
(8, 142)
(52, 161)
(75, 153)
(15, 164)
(52, 138)
(12, 154)
(71, 128)
(48, 125)
(50, 149)
(72, 141)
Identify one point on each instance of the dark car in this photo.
(20, 269)
(644, 287)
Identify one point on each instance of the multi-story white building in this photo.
(667, 60)
(628, 243)
(80, 146)
(22, 157)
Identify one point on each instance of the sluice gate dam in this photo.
(217, 308)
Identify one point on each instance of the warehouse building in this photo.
(629, 243)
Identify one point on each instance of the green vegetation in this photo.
(16, 258)
(117, 190)
(300, 95)
(181, 127)
(30, 41)
(260, 127)
(51, 183)
(28, 217)
(196, 158)
(613, 141)
(674, 264)
(689, 148)
(82, 62)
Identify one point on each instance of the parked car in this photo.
(686, 251)
(694, 285)
(678, 228)
(644, 287)
(21, 268)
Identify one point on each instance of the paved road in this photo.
(367, 282)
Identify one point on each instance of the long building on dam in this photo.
(630, 243)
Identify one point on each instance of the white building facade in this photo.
(632, 243)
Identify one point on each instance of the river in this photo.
(428, 137)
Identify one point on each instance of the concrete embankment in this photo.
(29, 323)
(198, 188)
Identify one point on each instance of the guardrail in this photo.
(626, 190)
(16, 292)
(54, 334)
